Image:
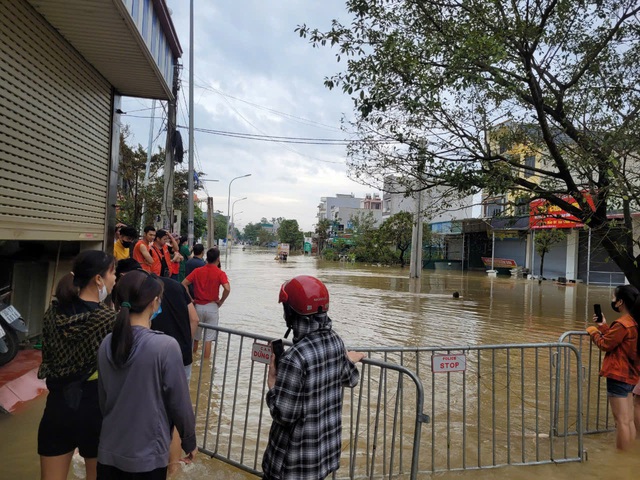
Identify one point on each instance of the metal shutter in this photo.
(54, 133)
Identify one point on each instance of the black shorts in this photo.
(63, 429)
(107, 472)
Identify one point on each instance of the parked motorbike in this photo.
(10, 324)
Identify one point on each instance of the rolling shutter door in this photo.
(54, 133)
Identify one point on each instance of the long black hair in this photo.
(631, 299)
(86, 265)
(133, 294)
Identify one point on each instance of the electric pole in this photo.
(211, 239)
(415, 267)
(169, 162)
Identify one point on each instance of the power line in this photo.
(271, 110)
(284, 139)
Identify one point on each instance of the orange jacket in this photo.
(619, 341)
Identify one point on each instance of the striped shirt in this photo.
(306, 406)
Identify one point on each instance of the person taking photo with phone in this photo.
(306, 387)
(620, 367)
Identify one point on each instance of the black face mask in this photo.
(613, 305)
(126, 244)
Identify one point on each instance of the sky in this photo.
(254, 74)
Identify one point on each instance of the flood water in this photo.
(379, 306)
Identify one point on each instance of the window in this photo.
(521, 207)
(530, 162)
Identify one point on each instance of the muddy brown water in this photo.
(380, 306)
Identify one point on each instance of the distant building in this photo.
(328, 205)
(342, 209)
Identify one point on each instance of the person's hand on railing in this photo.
(355, 357)
(189, 458)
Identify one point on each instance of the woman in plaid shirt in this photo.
(305, 388)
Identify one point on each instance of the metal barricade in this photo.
(503, 409)
(233, 421)
(595, 408)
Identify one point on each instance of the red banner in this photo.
(499, 262)
(546, 215)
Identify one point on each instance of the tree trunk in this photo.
(402, 262)
(541, 264)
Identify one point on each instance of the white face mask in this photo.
(102, 293)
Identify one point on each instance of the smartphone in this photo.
(597, 309)
(277, 348)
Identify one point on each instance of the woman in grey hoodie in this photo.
(142, 387)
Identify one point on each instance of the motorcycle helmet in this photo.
(303, 297)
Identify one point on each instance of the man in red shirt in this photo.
(206, 282)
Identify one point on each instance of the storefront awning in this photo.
(133, 44)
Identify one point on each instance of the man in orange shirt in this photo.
(206, 282)
(142, 249)
(160, 254)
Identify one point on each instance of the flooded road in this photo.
(379, 306)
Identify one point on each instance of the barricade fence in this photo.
(485, 406)
(596, 412)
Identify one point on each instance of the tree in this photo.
(322, 230)
(545, 239)
(397, 230)
(289, 232)
(266, 237)
(460, 84)
(362, 223)
(132, 192)
(220, 226)
(251, 232)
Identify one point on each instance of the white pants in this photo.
(208, 314)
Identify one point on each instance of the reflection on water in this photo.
(376, 306)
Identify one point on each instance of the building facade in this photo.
(65, 67)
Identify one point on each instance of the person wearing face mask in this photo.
(306, 388)
(143, 389)
(74, 325)
(620, 366)
(121, 249)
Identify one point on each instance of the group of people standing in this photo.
(117, 354)
(118, 343)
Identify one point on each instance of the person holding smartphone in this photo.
(620, 367)
(305, 387)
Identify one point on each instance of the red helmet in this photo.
(305, 295)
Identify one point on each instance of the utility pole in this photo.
(147, 168)
(415, 267)
(190, 221)
(211, 239)
(167, 195)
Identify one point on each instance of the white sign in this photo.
(10, 314)
(448, 363)
(261, 353)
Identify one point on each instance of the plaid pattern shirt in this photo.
(306, 406)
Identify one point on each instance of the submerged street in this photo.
(378, 306)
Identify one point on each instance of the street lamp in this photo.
(233, 222)
(233, 205)
(226, 253)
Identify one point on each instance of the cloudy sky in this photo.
(255, 75)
